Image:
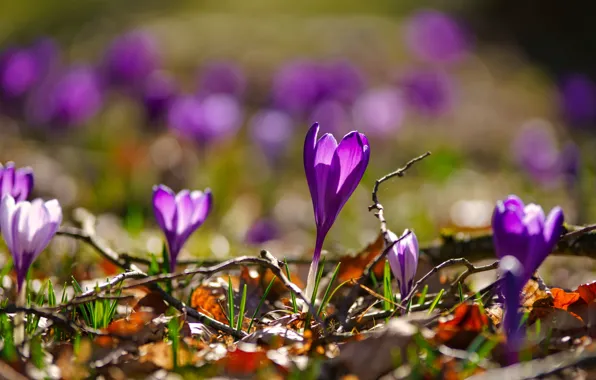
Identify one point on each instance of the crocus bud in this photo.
(512, 283)
(15, 182)
(179, 215)
(27, 229)
(333, 171)
(525, 233)
(403, 259)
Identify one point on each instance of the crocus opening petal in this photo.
(326, 206)
(8, 179)
(553, 227)
(325, 149)
(7, 209)
(508, 230)
(534, 219)
(23, 183)
(184, 211)
(164, 207)
(36, 219)
(203, 202)
(392, 256)
(514, 202)
(54, 211)
(411, 255)
(310, 144)
(351, 152)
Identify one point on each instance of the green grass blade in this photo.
(327, 295)
(254, 315)
(241, 311)
(51, 294)
(230, 302)
(422, 297)
(374, 280)
(460, 291)
(387, 293)
(436, 301)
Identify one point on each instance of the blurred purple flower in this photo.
(17, 183)
(512, 284)
(271, 130)
(28, 228)
(341, 81)
(523, 231)
(570, 164)
(333, 116)
(535, 149)
(379, 111)
(159, 91)
(333, 171)
(19, 72)
(262, 231)
(131, 58)
(179, 215)
(436, 37)
(577, 99)
(71, 99)
(296, 87)
(215, 117)
(221, 78)
(430, 92)
(403, 259)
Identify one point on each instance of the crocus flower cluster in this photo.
(179, 215)
(403, 259)
(333, 172)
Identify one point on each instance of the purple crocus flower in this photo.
(262, 231)
(341, 81)
(512, 284)
(535, 149)
(214, 118)
(131, 58)
(19, 72)
(523, 231)
(570, 164)
(271, 130)
(379, 111)
(403, 259)
(333, 172)
(15, 182)
(159, 90)
(28, 228)
(436, 37)
(179, 215)
(430, 92)
(222, 78)
(577, 99)
(296, 87)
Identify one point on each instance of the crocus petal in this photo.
(7, 209)
(351, 181)
(351, 151)
(512, 272)
(184, 211)
(164, 207)
(203, 202)
(392, 256)
(23, 183)
(54, 211)
(7, 179)
(325, 150)
(553, 227)
(310, 144)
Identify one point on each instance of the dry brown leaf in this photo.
(160, 354)
(459, 329)
(353, 266)
(208, 300)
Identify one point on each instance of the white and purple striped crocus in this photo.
(403, 259)
(333, 172)
(28, 228)
(15, 182)
(512, 277)
(524, 232)
(179, 215)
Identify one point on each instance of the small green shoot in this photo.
(436, 301)
(230, 302)
(315, 290)
(174, 327)
(374, 280)
(99, 313)
(387, 292)
(9, 350)
(327, 295)
(51, 294)
(241, 311)
(422, 297)
(254, 315)
(37, 355)
(294, 303)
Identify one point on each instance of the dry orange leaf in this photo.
(587, 291)
(562, 299)
(130, 325)
(244, 363)
(466, 322)
(207, 300)
(353, 266)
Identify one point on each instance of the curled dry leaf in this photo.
(208, 300)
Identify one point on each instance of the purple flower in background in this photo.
(436, 37)
(403, 259)
(72, 99)
(214, 118)
(222, 78)
(333, 116)
(296, 87)
(179, 215)
(535, 150)
(570, 164)
(28, 228)
(341, 81)
(131, 58)
(17, 183)
(159, 90)
(429, 92)
(262, 231)
(271, 130)
(523, 231)
(512, 284)
(379, 111)
(577, 99)
(333, 171)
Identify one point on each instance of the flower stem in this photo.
(19, 319)
(312, 272)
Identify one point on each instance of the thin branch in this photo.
(471, 269)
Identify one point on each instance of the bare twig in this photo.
(211, 262)
(471, 269)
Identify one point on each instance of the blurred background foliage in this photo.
(501, 92)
